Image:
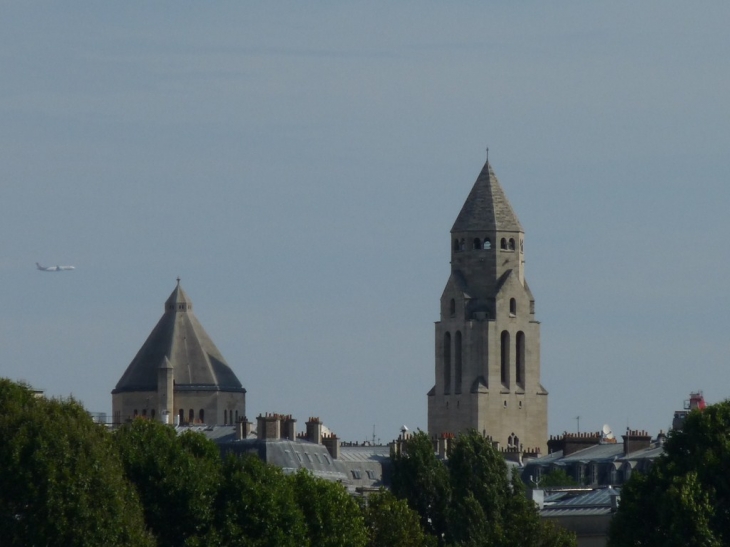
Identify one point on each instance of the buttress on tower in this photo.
(488, 341)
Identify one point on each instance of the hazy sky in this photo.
(299, 166)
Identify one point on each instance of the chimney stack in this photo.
(314, 431)
(332, 444)
(268, 426)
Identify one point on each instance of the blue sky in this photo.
(299, 166)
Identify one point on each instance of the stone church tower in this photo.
(488, 341)
(178, 375)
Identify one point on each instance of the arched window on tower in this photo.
(447, 363)
(457, 362)
(512, 307)
(520, 358)
(477, 243)
(452, 308)
(504, 361)
(487, 243)
(461, 244)
(456, 244)
(503, 244)
(511, 244)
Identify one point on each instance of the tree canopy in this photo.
(473, 500)
(684, 499)
(61, 478)
(177, 477)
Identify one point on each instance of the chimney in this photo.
(332, 444)
(314, 430)
(289, 428)
(570, 443)
(635, 440)
(268, 426)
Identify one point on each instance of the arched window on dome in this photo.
(477, 243)
(504, 361)
(447, 362)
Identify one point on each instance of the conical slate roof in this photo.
(179, 341)
(487, 207)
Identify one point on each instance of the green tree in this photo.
(257, 507)
(476, 500)
(331, 515)
(421, 479)
(685, 497)
(177, 478)
(391, 523)
(61, 479)
(557, 478)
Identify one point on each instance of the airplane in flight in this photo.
(54, 268)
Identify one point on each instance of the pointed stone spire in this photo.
(178, 300)
(487, 207)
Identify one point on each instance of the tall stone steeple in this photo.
(488, 341)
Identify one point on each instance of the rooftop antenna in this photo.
(577, 418)
(487, 154)
(178, 279)
(373, 433)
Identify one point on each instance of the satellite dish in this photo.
(404, 429)
(606, 429)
